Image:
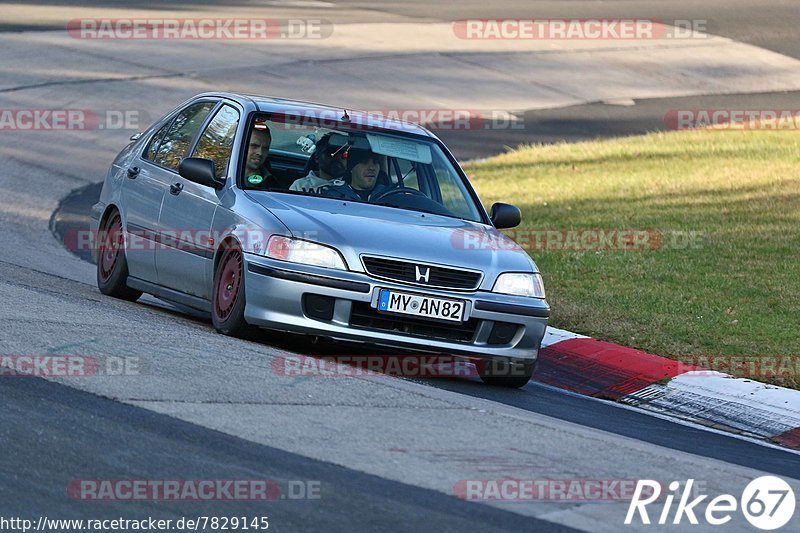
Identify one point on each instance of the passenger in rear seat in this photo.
(330, 164)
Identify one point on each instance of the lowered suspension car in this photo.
(296, 217)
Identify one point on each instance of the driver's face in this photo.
(365, 174)
(257, 150)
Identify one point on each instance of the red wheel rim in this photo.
(110, 247)
(230, 278)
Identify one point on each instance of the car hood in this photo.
(355, 228)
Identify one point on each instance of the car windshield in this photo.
(359, 166)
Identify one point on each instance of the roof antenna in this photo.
(345, 117)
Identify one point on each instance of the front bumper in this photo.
(275, 294)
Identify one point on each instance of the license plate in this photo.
(422, 306)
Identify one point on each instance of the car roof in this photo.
(300, 110)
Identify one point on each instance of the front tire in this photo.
(228, 298)
(112, 266)
(506, 372)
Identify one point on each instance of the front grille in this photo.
(406, 272)
(365, 317)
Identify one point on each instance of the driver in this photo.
(332, 165)
(363, 183)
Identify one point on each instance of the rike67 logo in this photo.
(767, 503)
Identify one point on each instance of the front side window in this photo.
(181, 134)
(406, 171)
(216, 142)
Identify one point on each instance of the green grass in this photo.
(734, 291)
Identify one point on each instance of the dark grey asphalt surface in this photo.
(600, 120)
(609, 417)
(770, 24)
(85, 439)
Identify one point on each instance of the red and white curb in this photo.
(605, 370)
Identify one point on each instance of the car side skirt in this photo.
(170, 295)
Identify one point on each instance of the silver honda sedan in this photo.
(296, 217)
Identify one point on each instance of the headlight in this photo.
(304, 252)
(519, 284)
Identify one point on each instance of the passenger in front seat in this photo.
(257, 170)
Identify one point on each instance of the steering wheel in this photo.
(401, 190)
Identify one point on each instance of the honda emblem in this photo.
(423, 273)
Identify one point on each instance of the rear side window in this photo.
(216, 142)
(181, 133)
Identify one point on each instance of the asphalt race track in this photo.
(386, 454)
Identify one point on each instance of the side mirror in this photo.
(200, 170)
(505, 216)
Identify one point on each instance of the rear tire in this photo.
(112, 266)
(506, 372)
(228, 296)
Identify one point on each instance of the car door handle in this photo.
(133, 172)
(176, 188)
